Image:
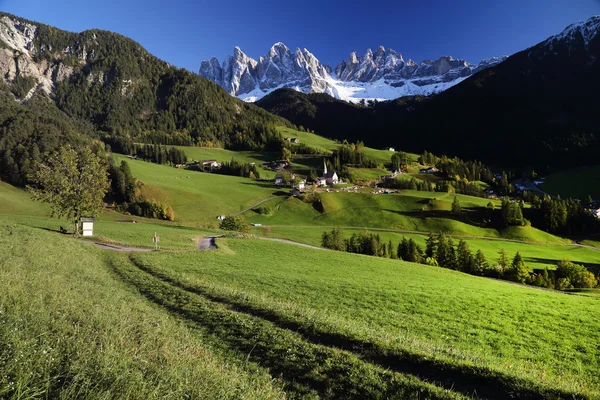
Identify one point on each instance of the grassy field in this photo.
(262, 319)
(70, 327)
(328, 145)
(410, 210)
(576, 183)
(467, 334)
(198, 198)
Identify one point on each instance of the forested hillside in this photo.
(121, 91)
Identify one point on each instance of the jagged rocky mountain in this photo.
(380, 75)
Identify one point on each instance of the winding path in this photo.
(255, 205)
(125, 249)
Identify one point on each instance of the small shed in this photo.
(87, 226)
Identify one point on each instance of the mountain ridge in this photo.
(379, 75)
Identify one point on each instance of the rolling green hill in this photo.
(198, 198)
(258, 319)
(483, 333)
(410, 210)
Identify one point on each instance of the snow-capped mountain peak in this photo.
(587, 30)
(381, 75)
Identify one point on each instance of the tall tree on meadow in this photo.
(443, 251)
(456, 207)
(518, 271)
(430, 246)
(465, 260)
(480, 263)
(503, 261)
(452, 260)
(73, 183)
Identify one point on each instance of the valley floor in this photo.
(261, 319)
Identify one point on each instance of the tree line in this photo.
(236, 168)
(441, 251)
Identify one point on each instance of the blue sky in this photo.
(184, 32)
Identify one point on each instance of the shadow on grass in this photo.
(472, 216)
(306, 369)
(593, 267)
(471, 381)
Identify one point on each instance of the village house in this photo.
(279, 165)
(279, 179)
(209, 165)
(430, 170)
(300, 185)
(292, 140)
(389, 149)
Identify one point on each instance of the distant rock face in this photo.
(382, 75)
(18, 49)
(280, 67)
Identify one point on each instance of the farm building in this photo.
(279, 179)
(292, 140)
(389, 149)
(430, 170)
(210, 165)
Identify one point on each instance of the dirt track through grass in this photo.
(308, 369)
(475, 382)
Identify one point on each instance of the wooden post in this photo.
(155, 240)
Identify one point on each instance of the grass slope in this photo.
(196, 197)
(473, 335)
(408, 211)
(70, 328)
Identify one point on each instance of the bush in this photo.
(264, 210)
(576, 275)
(231, 223)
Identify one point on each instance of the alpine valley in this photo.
(379, 75)
(438, 240)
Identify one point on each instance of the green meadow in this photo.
(197, 197)
(468, 334)
(260, 319)
(269, 320)
(409, 210)
(70, 327)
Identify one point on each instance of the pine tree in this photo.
(442, 253)
(503, 262)
(518, 271)
(452, 260)
(466, 262)
(430, 246)
(456, 208)
(480, 263)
